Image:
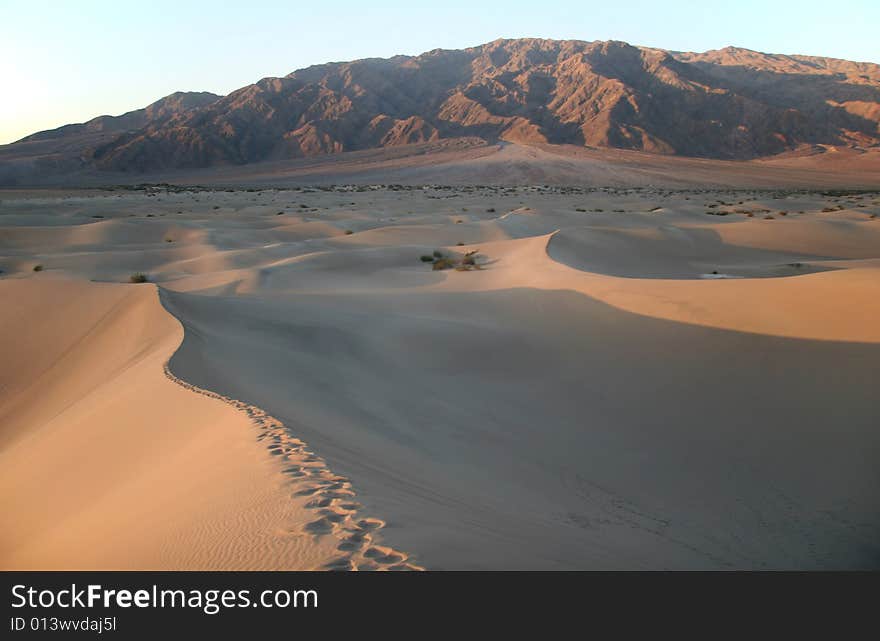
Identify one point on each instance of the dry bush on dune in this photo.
(464, 263)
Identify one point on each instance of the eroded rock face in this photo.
(731, 103)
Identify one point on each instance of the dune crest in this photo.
(828, 305)
(106, 463)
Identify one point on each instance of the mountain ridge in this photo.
(729, 103)
(162, 109)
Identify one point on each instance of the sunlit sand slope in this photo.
(106, 462)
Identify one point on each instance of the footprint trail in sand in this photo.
(330, 496)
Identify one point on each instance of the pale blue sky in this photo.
(68, 61)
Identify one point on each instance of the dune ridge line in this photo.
(331, 496)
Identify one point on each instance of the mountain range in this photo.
(724, 104)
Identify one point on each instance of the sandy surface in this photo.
(107, 463)
(630, 380)
(472, 161)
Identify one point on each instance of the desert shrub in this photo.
(38, 268)
(459, 244)
(348, 232)
(426, 258)
(768, 217)
(216, 206)
(491, 210)
(438, 253)
(465, 263)
(138, 277)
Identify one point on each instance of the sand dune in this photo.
(107, 463)
(595, 396)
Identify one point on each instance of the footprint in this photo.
(384, 555)
(339, 494)
(370, 524)
(334, 517)
(355, 541)
(308, 491)
(319, 527)
(343, 564)
(359, 536)
(349, 546)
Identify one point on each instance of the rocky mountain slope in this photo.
(726, 104)
(155, 114)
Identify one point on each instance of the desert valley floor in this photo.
(626, 378)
